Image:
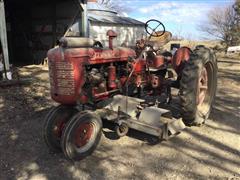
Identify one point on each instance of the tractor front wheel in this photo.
(198, 86)
(54, 124)
(81, 135)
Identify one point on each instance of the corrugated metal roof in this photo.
(101, 14)
(113, 19)
(92, 6)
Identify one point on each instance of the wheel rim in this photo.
(202, 86)
(83, 134)
(60, 123)
(205, 91)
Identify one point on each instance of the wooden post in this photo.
(3, 35)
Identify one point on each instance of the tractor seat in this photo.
(76, 42)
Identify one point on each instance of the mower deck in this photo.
(132, 113)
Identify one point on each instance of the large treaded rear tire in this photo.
(201, 59)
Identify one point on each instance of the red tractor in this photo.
(129, 88)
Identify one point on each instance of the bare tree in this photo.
(223, 23)
(178, 33)
(236, 27)
(116, 5)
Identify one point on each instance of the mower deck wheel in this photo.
(122, 130)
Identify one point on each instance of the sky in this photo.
(181, 17)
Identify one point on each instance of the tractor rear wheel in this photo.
(81, 135)
(54, 123)
(198, 86)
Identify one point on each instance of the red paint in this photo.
(157, 62)
(83, 99)
(139, 65)
(58, 128)
(77, 58)
(83, 134)
(123, 79)
(111, 34)
(112, 77)
(71, 77)
(181, 55)
(202, 87)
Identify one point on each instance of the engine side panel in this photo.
(68, 73)
(66, 77)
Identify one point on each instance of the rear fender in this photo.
(181, 55)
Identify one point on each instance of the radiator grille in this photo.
(61, 77)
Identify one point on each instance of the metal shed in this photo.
(101, 19)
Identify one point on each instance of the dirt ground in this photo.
(208, 152)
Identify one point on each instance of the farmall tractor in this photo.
(129, 88)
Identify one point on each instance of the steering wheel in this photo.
(153, 27)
